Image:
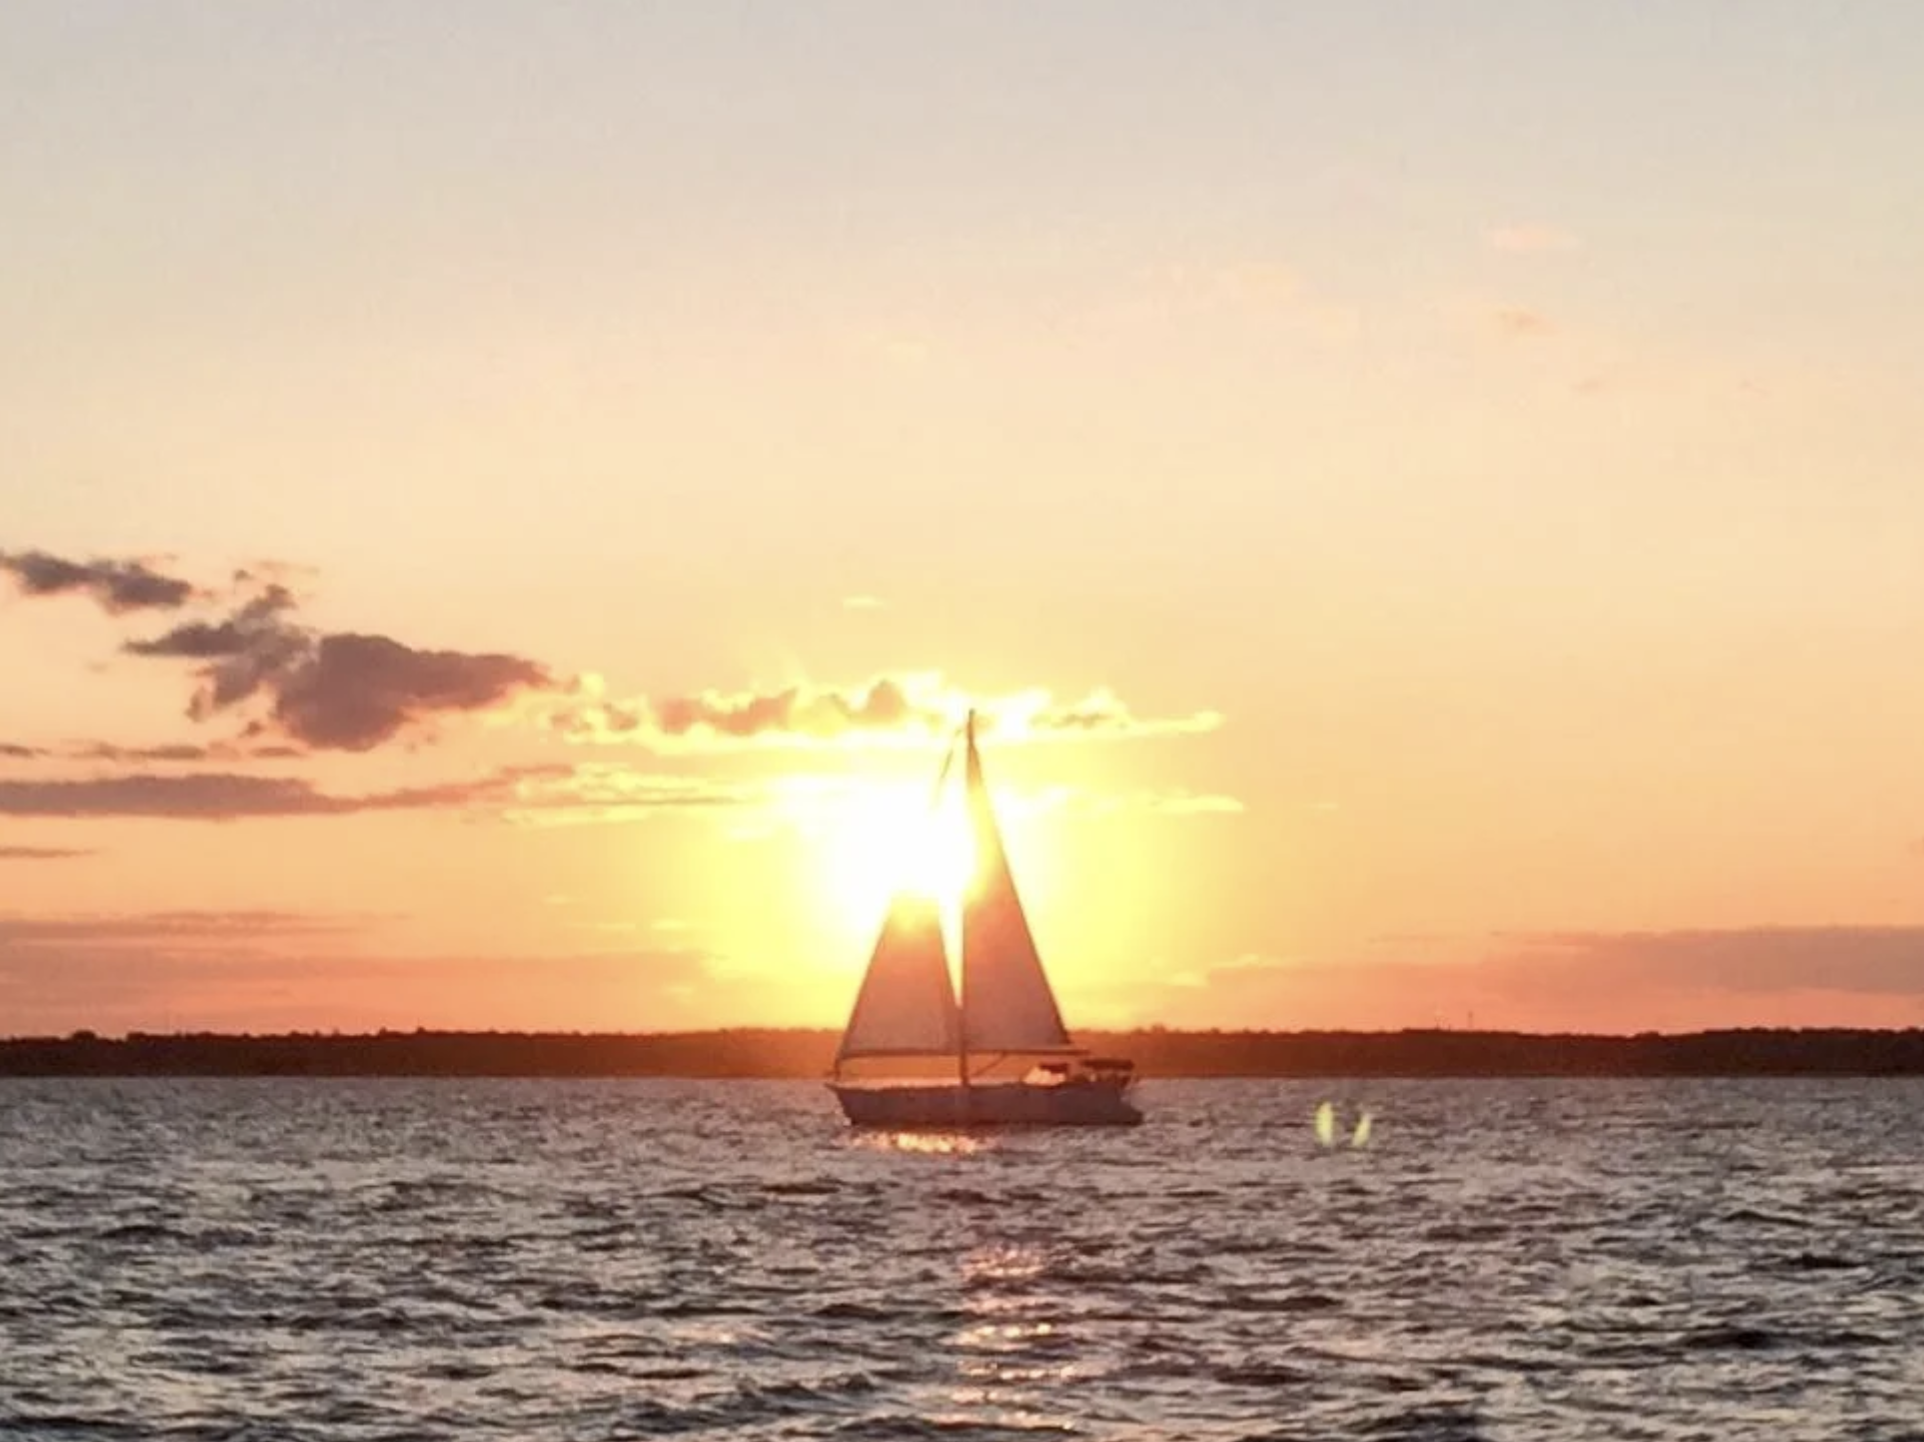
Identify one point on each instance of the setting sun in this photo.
(887, 838)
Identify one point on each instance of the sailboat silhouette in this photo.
(907, 1010)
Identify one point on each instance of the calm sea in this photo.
(282, 1259)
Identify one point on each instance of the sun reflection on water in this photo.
(932, 1143)
(1008, 1351)
(1002, 1263)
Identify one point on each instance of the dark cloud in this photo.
(40, 853)
(257, 621)
(332, 692)
(13, 751)
(116, 586)
(353, 692)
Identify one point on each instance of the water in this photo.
(546, 1259)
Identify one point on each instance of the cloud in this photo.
(40, 853)
(1520, 323)
(115, 586)
(269, 978)
(1529, 239)
(601, 793)
(183, 752)
(1584, 981)
(339, 691)
(147, 927)
(826, 712)
(355, 691)
(516, 793)
(910, 708)
(342, 691)
(300, 689)
(227, 796)
(1034, 715)
(1877, 960)
(1079, 802)
(553, 794)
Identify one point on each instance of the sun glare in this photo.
(889, 840)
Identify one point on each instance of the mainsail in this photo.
(1007, 1004)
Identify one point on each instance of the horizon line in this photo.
(88, 1035)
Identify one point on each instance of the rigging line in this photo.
(942, 776)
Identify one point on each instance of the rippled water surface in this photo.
(551, 1259)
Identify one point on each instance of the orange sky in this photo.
(1432, 507)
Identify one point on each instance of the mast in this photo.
(969, 766)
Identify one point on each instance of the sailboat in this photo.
(998, 1056)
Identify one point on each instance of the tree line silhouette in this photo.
(783, 1053)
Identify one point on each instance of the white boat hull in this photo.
(998, 1104)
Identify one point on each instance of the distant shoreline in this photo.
(771, 1054)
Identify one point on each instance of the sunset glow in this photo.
(887, 838)
(502, 511)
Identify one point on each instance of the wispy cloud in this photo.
(605, 793)
(180, 752)
(41, 853)
(892, 709)
(1082, 802)
(1520, 323)
(116, 586)
(554, 792)
(1529, 239)
(1869, 959)
(148, 927)
(1606, 981)
(103, 972)
(228, 796)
